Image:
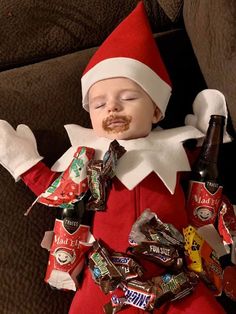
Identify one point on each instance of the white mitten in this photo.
(18, 149)
(208, 102)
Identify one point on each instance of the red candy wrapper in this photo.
(72, 183)
(227, 221)
(66, 255)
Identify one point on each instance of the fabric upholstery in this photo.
(211, 25)
(36, 30)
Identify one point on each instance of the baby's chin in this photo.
(122, 135)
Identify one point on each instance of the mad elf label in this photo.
(203, 206)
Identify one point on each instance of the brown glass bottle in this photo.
(72, 216)
(68, 246)
(205, 191)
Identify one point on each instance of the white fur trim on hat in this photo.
(153, 85)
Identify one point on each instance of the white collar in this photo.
(161, 151)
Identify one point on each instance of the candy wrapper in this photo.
(66, 258)
(71, 185)
(127, 266)
(103, 271)
(120, 273)
(157, 241)
(100, 172)
(227, 221)
(153, 293)
(148, 227)
(203, 260)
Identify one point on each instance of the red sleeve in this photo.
(39, 177)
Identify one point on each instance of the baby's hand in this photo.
(18, 149)
(208, 102)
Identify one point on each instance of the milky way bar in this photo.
(104, 272)
(100, 172)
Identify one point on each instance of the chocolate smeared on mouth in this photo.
(116, 123)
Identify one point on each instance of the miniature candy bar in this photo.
(174, 287)
(203, 260)
(99, 174)
(153, 293)
(193, 244)
(127, 266)
(164, 255)
(156, 230)
(148, 227)
(103, 271)
(157, 241)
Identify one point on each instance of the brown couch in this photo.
(44, 48)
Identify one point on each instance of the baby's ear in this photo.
(156, 115)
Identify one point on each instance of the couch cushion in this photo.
(37, 30)
(214, 43)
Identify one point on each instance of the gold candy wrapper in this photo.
(202, 259)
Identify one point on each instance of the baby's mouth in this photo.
(116, 123)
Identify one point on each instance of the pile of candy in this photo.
(121, 273)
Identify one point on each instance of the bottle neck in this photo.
(213, 140)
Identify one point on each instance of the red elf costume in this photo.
(147, 175)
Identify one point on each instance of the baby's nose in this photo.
(114, 106)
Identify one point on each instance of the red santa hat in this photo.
(131, 52)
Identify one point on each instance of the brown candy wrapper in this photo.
(149, 227)
(103, 271)
(157, 241)
(153, 293)
(164, 255)
(127, 266)
(174, 287)
(99, 174)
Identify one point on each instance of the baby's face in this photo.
(120, 109)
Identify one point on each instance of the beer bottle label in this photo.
(202, 205)
(70, 224)
(66, 255)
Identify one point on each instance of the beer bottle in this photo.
(72, 217)
(68, 246)
(205, 191)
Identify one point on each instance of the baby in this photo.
(126, 89)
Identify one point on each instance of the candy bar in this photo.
(104, 272)
(99, 174)
(153, 293)
(164, 255)
(127, 266)
(149, 227)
